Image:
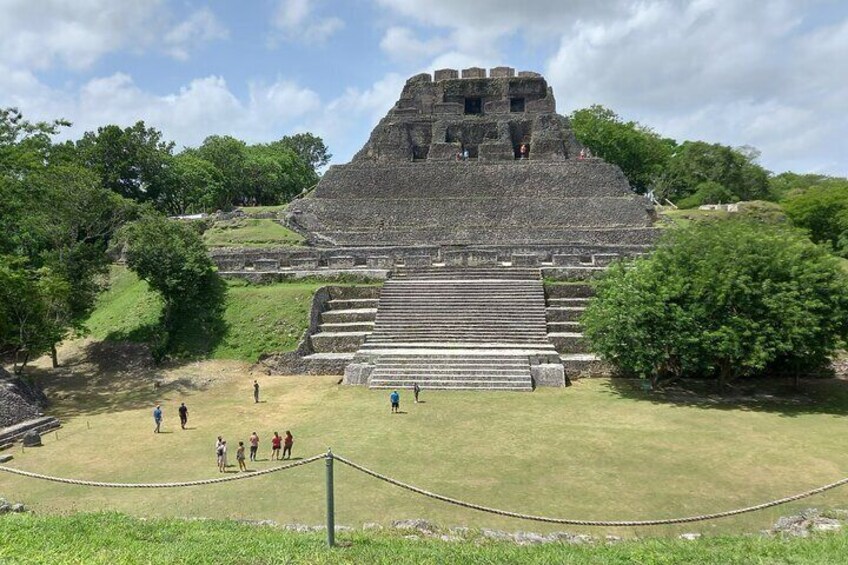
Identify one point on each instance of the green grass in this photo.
(250, 232)
(683, 217)
(127, 310)
(256, 319)
(597, 450)
(117, 539)
(255, 210)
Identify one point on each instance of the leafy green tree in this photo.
(731, 173)
(130, 161)
(726, 298)
(172, 258)
(638, 150)
(310, 148)
(823, 211)
(191, 185)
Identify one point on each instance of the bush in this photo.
(823, 212)
(720, 299)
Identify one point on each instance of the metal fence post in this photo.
(331, 518)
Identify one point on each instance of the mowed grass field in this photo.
(597, 450)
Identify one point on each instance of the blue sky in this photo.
(772, 75)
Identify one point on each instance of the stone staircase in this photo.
(565, 305)
(458, 328)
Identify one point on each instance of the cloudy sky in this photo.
(772, 74)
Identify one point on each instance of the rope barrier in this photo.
(201, 482)
(440, 497)
(575, 522)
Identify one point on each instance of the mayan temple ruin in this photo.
(468, 194)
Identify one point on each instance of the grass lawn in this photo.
(251, 232)
(597, 450)
(256, 210)
(257, 319)
(683, 217)
(113, 538)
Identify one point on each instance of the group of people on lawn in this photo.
(281, 447)
(277, 443)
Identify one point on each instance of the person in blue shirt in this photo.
(157, 417)
(395, 398)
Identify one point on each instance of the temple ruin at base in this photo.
(468, 193)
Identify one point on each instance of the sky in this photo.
(772, 74)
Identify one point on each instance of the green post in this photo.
(331, 517)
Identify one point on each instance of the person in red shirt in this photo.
(287, 445)
(276, 442)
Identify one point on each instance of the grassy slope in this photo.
(114, 539)
(593, 451)
(259, 319)
(250, 232)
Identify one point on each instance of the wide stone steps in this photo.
(564, 314)
(352, 303)
(434, 371)
(423, 274)
(349, 315)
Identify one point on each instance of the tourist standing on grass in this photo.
(256, 392)
(276, 442)
(220, 453)
(157, 418)
(240, 456)
(287, 445)
(395, 399)
(415, 390)
(254, 445)
(183, 410)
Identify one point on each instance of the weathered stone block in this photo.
(474, 72)
(525, 260)
(418, 261)
(496, 152)
(501, 72)
(451, 108)
(566, 260)
(528, 74)
(445, 74)
(266, 265)
(550, 374)
(358, 373)
(31, 439)
(379, 262)
(341, 262)
(455, 258)
(479, 258)
(304, 263)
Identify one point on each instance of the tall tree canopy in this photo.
(722, 298)
(638, 150)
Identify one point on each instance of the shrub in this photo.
(724, 299)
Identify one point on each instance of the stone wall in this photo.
(19, 400)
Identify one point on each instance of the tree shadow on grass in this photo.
(105, 377)
(778, 395)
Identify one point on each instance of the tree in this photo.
(822, 210)
(639, 151)
(191, 185)
(310, 148)
(172, 258)
(699, 172)
(723, 299)
(130, 161)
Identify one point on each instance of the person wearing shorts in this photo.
(240, 457)
(221, 452)
(276, 442)
(394, 397)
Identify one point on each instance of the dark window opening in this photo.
(420, 152)
(516, 104)
(473, 105)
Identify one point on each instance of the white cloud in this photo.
(48, 33)
(401, 43)
(201, 27)
(294, 21)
